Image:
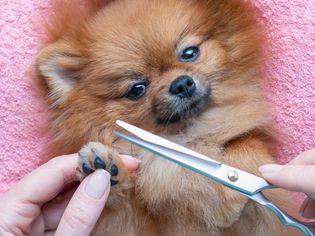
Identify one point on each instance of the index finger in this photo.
(48, 180)
(305, 158)
(298, 178)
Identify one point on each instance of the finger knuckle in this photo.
(78, 217)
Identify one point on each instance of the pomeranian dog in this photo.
(184, 69)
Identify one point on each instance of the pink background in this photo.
(290, 84)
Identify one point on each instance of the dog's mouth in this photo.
(179, 110)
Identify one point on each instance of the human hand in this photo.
(35, 206)
(298, 175)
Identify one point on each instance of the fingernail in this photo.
(97, 184)
(129, 159)
(270, 168)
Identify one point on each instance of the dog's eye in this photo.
(137, 90)
(189, 54)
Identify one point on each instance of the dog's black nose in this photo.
(184, 86)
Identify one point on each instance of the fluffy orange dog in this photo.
(185, 69)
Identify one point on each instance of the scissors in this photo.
(229, 176)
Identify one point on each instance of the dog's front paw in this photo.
(98, 156)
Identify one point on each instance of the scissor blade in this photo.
(246, 183)
(152, 138)
(183, 159)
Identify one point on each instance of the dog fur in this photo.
(98, 48)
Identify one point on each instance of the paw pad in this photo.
(86, 168)
(99, 163)
(97, 156)
(114, 170)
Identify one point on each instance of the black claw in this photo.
(99, 163)
(114, 170)
(113, 182)
(86, 168)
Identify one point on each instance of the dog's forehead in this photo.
(141, 33)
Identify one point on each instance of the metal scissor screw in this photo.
(232, 175)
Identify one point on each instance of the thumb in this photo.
(299, 178)
(85, 206)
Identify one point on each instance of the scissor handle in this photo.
(307, 229)
(311, 196)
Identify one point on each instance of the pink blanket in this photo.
(290, 83)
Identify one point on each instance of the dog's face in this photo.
(155, 63)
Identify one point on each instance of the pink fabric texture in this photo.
(290, 84)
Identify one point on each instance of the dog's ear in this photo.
(58, 67)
